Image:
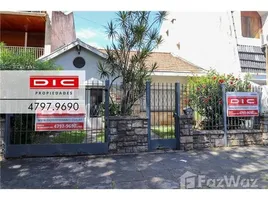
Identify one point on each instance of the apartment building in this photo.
(230, 42)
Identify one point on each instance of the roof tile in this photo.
(166, 62)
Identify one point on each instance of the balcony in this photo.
(36, 51)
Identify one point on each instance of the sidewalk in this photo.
(150, 170)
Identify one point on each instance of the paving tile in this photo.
(132, 185)
(148, 170)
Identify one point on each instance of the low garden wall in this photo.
(128, 135)
(199, 139)
(215, 138)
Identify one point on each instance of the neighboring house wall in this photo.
(216, 40)
(206, 39)
(63, 29)
(169, 79)
(60, 30)
(264, 19)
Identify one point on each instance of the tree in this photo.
(134, 35)
(23, 60)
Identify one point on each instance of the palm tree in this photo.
(133, 35)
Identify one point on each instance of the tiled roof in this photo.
(252, 59)
(166, 62)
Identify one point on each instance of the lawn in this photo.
(70, 137)
(76, 137)
(101, 137)
(164, 131)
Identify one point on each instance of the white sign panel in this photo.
(20, 90)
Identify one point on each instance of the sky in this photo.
(89, 27)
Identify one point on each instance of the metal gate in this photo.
(21, 139)
(163, 112)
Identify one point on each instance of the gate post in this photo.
(224, 107)
(177, 114)
(6, 135)
(107, 121)
(148, 112)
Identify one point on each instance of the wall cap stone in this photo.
(219, 132)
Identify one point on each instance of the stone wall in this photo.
(199, 139)
(186, 132)
(264, 127)
(215, 138)
(128, 135)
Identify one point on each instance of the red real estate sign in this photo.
(55, 122)
(242, 104)
(54, 82)
(59, 120)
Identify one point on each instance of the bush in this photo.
(205, 96)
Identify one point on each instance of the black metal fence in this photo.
(162, 111)
(208, 109)
(2, 129)
(207, 114)
(22, 126)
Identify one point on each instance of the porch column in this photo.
(25, 39)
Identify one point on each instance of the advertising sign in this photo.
(63, 116)
(242, 104)
(59, 122)
(20, 90)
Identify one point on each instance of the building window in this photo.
(79, 62)
(251, 24)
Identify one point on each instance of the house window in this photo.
(96, 98)
(79, 62)
(251, 24)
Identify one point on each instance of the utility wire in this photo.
(88, 19)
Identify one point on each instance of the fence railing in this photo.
(207, 110)
(36, 52)
(162, 115)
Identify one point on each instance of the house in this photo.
(78, 55)
(230, 42)
(39, 31)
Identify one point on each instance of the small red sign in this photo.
(242, 104)
(242, 101)
(59, 120)
(58, 126)
(241, 113)
(54, 82)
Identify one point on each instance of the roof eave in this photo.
(68, 47)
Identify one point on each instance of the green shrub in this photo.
(205, 96)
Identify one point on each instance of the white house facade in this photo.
(229, 42)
